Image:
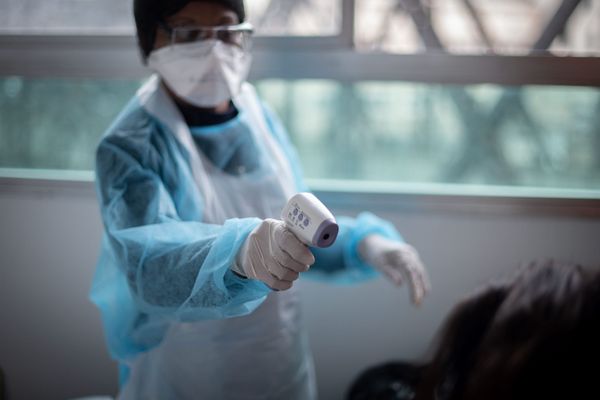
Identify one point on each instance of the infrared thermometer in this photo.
(310, 220)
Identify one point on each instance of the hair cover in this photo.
(148, 13)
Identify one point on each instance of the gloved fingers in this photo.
(417, 292)
(255, 264)
(388, 255)
(263, 274)
(393, 274)
(415, 273)
(281, 272)
(422, 274)
(258, 260)
(289, 243)
(279, 285)
(425, 286)
(287, 261)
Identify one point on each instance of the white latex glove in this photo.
(398, 261)
(274, 255)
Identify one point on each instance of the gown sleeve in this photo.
(174, 267)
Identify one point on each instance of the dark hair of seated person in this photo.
(535, 336)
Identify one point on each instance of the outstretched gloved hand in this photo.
(274, 255)
(398, 261)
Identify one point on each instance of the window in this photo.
(295, 18)
(479, 26)
(64, 16)
(544, 136)
(484, 92)
(57, 123)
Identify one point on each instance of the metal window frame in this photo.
(116, 56)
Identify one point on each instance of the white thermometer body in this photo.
(310, 220)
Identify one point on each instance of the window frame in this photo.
(117, 56)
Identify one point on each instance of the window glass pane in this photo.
(477, 26)
(295, 17)
(407, 132)
(270, 17)
(97, 16)
(36, 131)
(385, 131)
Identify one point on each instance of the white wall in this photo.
(51, 345)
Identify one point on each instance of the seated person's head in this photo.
(534, 337)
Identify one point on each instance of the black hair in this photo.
(149, 13)
(533, 337)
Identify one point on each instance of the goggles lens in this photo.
(237, 35)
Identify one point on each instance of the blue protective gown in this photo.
(176, 206)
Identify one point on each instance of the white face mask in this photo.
(204, 73)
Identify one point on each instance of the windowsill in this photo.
(46, 175)
(358, 195)
(461, 199)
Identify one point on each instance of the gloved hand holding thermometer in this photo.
(275, 252)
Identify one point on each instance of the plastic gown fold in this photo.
(175, 217)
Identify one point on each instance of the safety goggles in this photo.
(237, 35)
